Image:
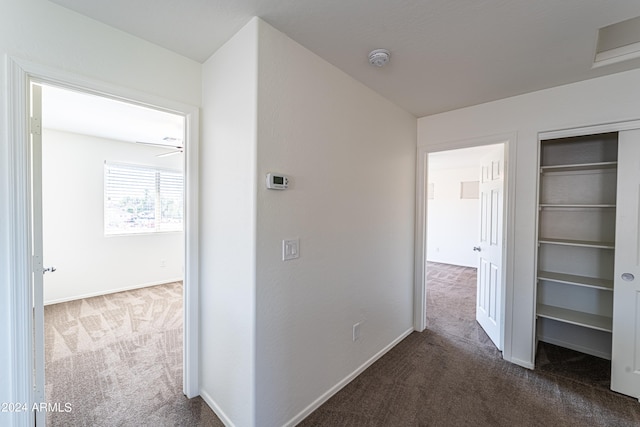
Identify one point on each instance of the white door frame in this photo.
(422, 173)
(19, 75)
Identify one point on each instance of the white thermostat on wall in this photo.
(277, 182)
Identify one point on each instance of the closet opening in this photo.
(588, 257)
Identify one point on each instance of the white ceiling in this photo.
(87, 114)
(445, 54)
(459, 159)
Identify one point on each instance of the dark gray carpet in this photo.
(451, 375)
(117, 359)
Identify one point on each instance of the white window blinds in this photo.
(140, 199)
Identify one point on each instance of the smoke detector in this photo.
(379, 57)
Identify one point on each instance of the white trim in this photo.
(112, 291)
(20, 316)
(336, 388)
(523, 363)
(534, 297)
(419, 303)
(191, 303)
(420, 244)
(216, 409)
(19, 73)
(35, 135)
(509, 240)
(618, 54)
(589, 130)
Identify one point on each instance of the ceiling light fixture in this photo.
(379, 57)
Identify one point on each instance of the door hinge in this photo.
(36, 264)
(36, 126)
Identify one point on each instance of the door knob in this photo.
(48, 270)
(477, 248)
(627, 277)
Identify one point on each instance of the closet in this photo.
(588, 258)
(576, 242)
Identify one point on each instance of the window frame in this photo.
(159, 226)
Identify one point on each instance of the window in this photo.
(470, 190)
(141, 199)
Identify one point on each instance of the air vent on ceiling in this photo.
(618, 42)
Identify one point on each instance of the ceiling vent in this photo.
(618, 42)
(379, 57)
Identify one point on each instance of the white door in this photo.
(38, 266)
(489, 287)
(625, 353)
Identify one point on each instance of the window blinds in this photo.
(141, 199)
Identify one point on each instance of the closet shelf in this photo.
(588, 320)
(570, 279)
(578, 167)
(579, 243)
(575, 206)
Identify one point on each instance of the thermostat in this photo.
(277, 182)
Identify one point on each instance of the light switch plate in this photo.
(290, 249)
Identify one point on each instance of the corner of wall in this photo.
(228, 228)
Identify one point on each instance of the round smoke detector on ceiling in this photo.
(379, 57)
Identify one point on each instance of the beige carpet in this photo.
(117, 359)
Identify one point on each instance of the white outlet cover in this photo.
(356, 332)
(290, 249)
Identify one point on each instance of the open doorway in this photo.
(27, 264)
(108, 195)
(464, 245)
(113, 192)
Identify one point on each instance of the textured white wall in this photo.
(42, 32)
(452, 222)
(351, 158)
(276, 336)
(227, 228)
(88, 262)
(603, 100)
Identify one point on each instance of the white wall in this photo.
(42, 32)
(88, 262)
(351, 158)
(603, 100)
(452, 222)
(228, 230)
(276, 336)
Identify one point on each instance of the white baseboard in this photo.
(336, 388)
(524, 363)
(111, 291)
(215, 408)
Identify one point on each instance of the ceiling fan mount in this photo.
(177, 147)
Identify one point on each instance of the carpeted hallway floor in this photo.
(452, 375)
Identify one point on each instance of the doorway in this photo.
(26, 268)
(505, 206)
(456, 206)
(113, 242)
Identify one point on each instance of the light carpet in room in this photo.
(117, 359)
